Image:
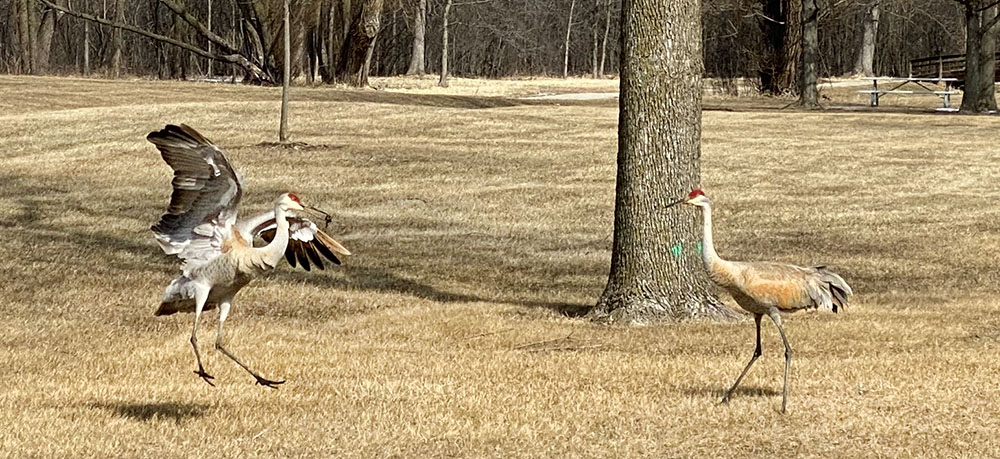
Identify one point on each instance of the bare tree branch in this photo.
(237, 59)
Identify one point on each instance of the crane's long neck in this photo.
(275, 250)
(708, 253)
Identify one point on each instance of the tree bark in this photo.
(443, 81)
(808, 92)
(416, 66)
(987, 101)
(569, 30)
(43, 40)
(973, 42)
(24, 35)
(864, 65)
(656, 268)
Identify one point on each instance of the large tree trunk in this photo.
(973, 42)
(656, 268)
(416, 66)
(43, 39)
(808, 92)
(359, 43)
(864, 64)
(443, 80)
(987, 101)
(24, 35)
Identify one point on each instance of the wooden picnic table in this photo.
(917, 86)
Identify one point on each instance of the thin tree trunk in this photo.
(116, 53)
(287, 72)
(808, 92)
(416, 66)
(864, 65)
(656, 268)
(86, 48)
(209, 20)
(604, 42)
(594, 44)
(569, 30)
(443, 81)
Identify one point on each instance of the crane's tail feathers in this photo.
(837, 286)
(179, 297)
(187, 305)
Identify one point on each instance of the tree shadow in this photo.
(171, 411)
(373, 279)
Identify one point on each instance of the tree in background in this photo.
(656, 267)
(981, 21)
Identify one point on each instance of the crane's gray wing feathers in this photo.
(306, 242)
(203, 205)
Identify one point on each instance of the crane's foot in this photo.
(725, 399)
(268, 382)
(207, 377)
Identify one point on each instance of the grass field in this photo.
(478, 221)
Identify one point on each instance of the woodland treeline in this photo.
(347, 40)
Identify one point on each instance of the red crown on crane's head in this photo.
(294, 198)
(695, 193)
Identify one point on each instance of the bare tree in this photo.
(569, 30)
(980, 62)
(416, 66)
(656, 268)
(359, 43)
(286, 76)
(443, 80)
(808, 92)
(116, 53)
(864, 65)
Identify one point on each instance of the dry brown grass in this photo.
(476, 222)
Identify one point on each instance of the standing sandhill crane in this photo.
(218, 254)
(768, 288)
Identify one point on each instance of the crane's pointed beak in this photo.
(319, 213)
(674, 203)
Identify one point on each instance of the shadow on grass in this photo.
(383, 281)
(172, 411)
(742, 391)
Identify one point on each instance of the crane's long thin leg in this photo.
(200, 297)
(223, 313)
(756, 355)
(773, 314)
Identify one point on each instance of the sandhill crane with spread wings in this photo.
(219, 257)
(768, 288)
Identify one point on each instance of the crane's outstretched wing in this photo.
(306, 242)
(206, 194)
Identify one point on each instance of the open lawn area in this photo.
(481, 226)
